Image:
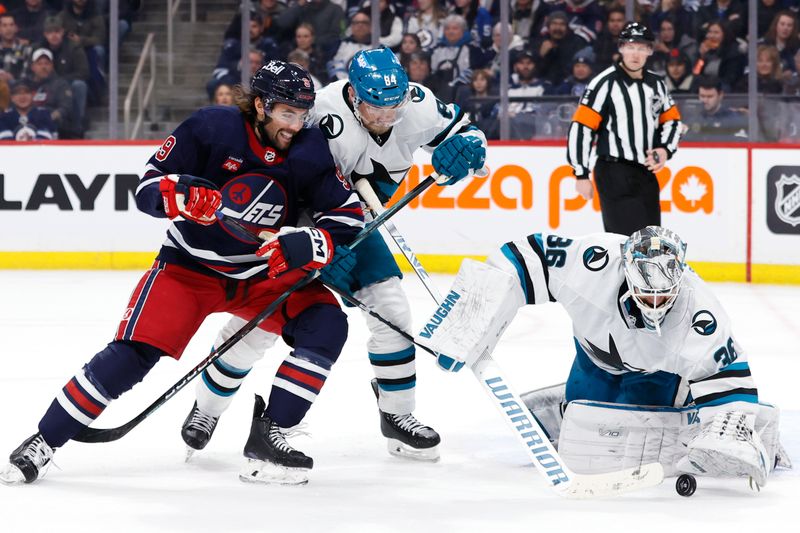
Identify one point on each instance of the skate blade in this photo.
(266, 473)
(11, 475)
(400, 449)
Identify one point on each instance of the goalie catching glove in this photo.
(456, 156)
(190, 197)
(291, 248)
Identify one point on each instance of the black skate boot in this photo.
(270, 459)
(28, 462)
(407, 436)
(197, 430)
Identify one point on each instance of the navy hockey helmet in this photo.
(633, 32)
(283, 83)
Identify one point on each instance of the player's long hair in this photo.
(246, 102)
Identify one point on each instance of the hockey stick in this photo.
(93, 435)
(522, 423)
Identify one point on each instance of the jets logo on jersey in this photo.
(232, 164)
(331, 125)
(704, 323)
(595, 258)
(257, 201)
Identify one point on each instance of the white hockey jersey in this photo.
(585, 275)
(385, 160)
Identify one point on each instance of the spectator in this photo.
(70, 64)
(791, 85)
(23, 121)
(305, 41)
(684, 16)
(53, 93)
(679, 78)
(409, 45)
(222, 74)
(489, 58)
(426, 22)
(716, 122)
(30, 20)
(576, 83)
(419, 71)
(524, 84)
(606, 46)
(767, 10)
(301, 58)
(719, 57)
(391, 25)
(782, 34)
(475, 98)
(670, 37)
(479, 21)
(359, 39)
(231, 54)
(14, 57)
(269, 10)
(85, 27)
(522, 19)
(732, 12)
(768, 70)
(128, 11)
(557, 48)
(223, 95)
(450, 58)
(326, 17)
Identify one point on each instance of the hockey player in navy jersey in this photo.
(260, 165)
(374, 122)
(657, 376)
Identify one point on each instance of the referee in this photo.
(636, 125)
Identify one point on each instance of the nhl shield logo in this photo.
(783, 199)
(787, 199)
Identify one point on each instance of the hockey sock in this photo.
(318, 335)
(219, 383)
(396, 373)
(114, 370)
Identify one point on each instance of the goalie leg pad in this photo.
(599, 437)
(481, 303)
(220, 381)
(547, 406)
(393, 358)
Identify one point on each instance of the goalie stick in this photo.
(94, 435)
(516, 415)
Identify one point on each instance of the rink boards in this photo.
(70, 205)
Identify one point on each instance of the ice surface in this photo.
(51, 323)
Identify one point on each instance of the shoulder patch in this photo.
(417, 94)
(704, 323)
(331, 125)
(595, 258)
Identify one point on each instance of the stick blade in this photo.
(585, 486)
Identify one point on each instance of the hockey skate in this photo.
(197, 430)
(27, 463)
(270, 459)
(407, 436)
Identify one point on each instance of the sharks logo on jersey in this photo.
(331, 125)
(256, 200)
(595, 258)
(704, 323)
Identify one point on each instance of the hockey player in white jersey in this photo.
(655, 353)
(374, 122)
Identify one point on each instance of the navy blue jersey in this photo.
(262, 187)
(36, 125)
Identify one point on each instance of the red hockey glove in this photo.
(192, 198)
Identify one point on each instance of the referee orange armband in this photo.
(587, 116)
(670, 114)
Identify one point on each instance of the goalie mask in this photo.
(653, 262)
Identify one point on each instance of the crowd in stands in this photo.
(53, 59)
(556, 47)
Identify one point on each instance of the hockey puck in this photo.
(686, 485)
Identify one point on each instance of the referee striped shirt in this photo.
(626, 116)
